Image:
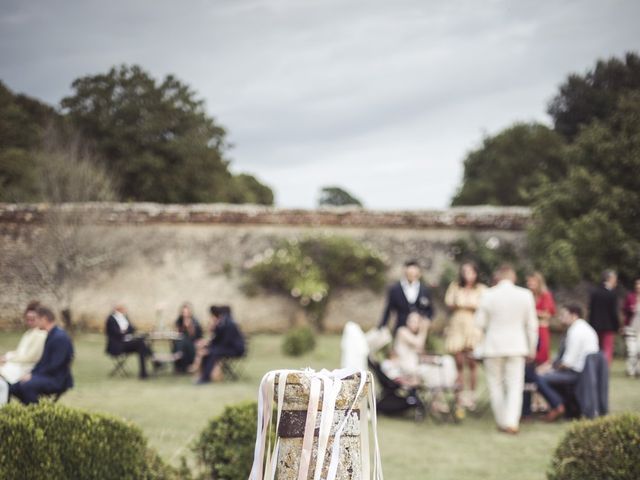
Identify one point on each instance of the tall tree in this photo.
(22, 121)
(595, 95)
(591, 219)
(155, 136)
(337, 197)
(509, 166)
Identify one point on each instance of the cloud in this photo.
(384, 98)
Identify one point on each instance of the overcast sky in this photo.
(383, 98)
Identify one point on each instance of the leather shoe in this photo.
(509, 430)
(554, 414)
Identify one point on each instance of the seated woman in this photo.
(226, 342)
(184, 348)
(16, 364)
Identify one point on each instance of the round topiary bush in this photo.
(224, 450)
(55, 442)
(298, 341)
(606, 448)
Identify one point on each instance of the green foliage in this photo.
(606, 448)
(310, 269)
(298, 341)
(22, 120)
(509, 166)
(49, 441)
(590, 220)
(157, 138)
(594, 96)
(224, 449)
(337, 197)
(487, 254)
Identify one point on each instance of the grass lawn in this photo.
(172, 411)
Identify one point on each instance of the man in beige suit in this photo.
(507, 316)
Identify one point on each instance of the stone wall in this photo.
(163, 255)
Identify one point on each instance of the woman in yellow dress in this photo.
(463, 298)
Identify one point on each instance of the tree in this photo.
(156, 138)
(594, 96)
(509, 166)
(337, 197)
(591, 219)
(22, 121)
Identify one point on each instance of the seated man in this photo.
(120, 338)
(581, 340)
(52, 373)
(16, 364)
(227, 342)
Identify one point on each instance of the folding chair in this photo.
(119, 365)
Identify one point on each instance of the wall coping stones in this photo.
(476, 217)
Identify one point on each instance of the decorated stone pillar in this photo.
(321, 423)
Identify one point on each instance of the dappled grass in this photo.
(172, 412)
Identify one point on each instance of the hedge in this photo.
(605, 448)
(51, 441)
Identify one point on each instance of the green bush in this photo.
(310, 269)
(606, 448)
(298, 341)
(50, 441)
(224, 450)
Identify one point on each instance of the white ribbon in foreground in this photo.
(326, 384)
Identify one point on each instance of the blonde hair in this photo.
(542, 285)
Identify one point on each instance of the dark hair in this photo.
(225, 309)
(412, 263)
(216, 310)
(32, 306)
(43, 311)
(461, 280)
(574, 309)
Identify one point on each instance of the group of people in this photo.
(41, 364)
(191, 351)
(507, 326)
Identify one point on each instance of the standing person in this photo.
(545, 308)
(406, 296)
(184, 349)
(507, 316)
(632, 329)
(227, 341)
(16, 364)
(121, 339)
(52, 373)
(603, 312)
(463, 298)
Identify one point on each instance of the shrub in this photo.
(224, 450)
(50, 441)
(606, 448)
(298, 341)
(310, 269)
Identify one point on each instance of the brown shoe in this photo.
(509, 430)
(554, 414)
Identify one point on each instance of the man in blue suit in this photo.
(52, 374)
(406, 296)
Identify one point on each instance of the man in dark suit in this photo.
(52, 373)
(406, 296)
(227, 341)
(121, 339)
(603, 312)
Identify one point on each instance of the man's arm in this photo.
(481, 317)
(532, 325)
(387, 309)
(60, 353)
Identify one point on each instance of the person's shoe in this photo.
(554, 414)
(509, 430)
(200, 381)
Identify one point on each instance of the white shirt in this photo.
(123, 323)
(582, 340)
(411, 290)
